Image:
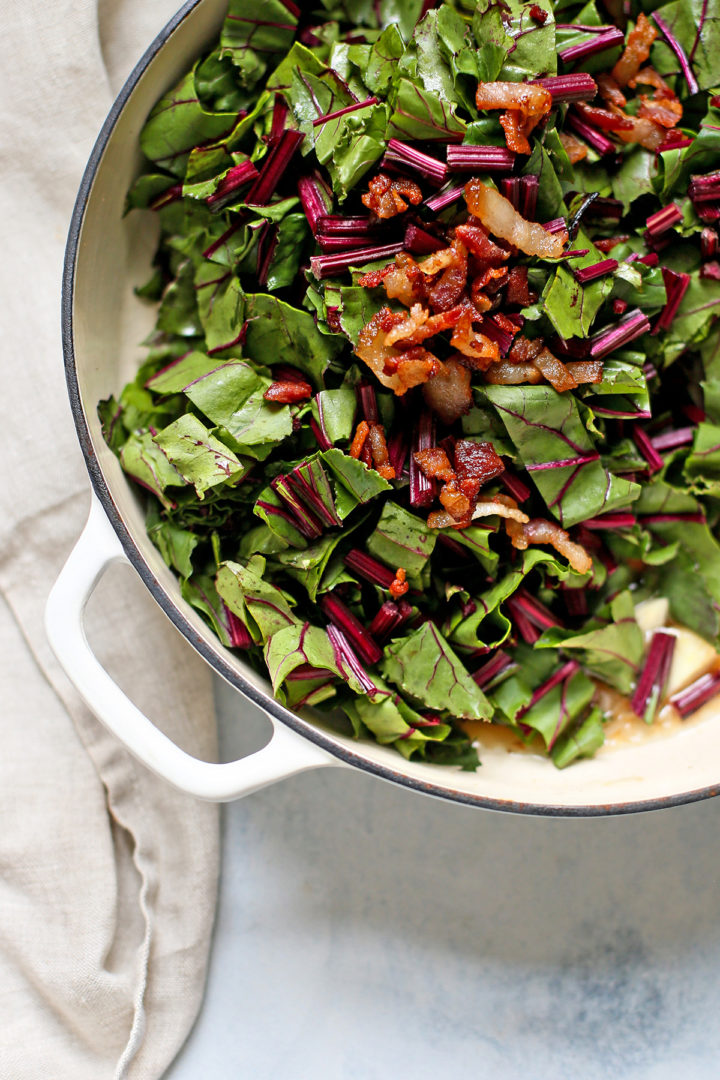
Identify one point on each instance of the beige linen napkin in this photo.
(107, 875)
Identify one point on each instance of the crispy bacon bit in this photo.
(664, 111)
(539, 531)
(434, 463)
(405, 281)
(440, 519)
(643, 131)
(478, 349)
(448, 393)
(523, 350)
(475, 464)
(419, 325)
(454, 500)
(636, 50)
(491, 280)
(503, 506)
(361, 433)
(500, 216)
(648, 76)
(397, 369)
(387, 197)
(586, 371)
(476, 240)
(408, 328)
(507, 373)
(379, 451)
(438, 261)
(610, 92)
(604, 118)
(451, 286)
(518, 289)
(525, 104)
(554, 371)
(538, 14)
(288, 391)
(399, 586)
(375, 277)
(574, 149)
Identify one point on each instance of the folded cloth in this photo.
(107, 876)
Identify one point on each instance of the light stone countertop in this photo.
(365, 932)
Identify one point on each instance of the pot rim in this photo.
(264, 700)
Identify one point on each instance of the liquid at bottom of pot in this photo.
(623, 727)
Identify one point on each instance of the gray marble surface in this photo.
(365, 932)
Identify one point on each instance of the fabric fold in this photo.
(108, 876)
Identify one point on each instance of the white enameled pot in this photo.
(103, 323)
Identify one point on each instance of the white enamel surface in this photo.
(285, 754)
(109, 323)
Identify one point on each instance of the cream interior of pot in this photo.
(114, 254)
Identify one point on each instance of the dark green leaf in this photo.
(424, 666)
(401, 539)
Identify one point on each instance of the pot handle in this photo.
(286, 754)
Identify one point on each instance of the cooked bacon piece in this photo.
(456, 503)
(451, 286)
(505, 323)
(448, 393)
(500, 216)
(538, 14)
(539, 531)
(529, 99)
(574, 149)
(518, 290)
(603, 118)
(387, 197)
(375, 277)
(491, 280)
(481, 301)
(397, 369)
(361, 433)
(440, 519)
(405, 281)
(648, 76)
(475, 347)
(554, 371)
(475, 464)
(643, 131)
(411, 328)
(477, 241)
(434, 463)
(502, 505)
(439, 260)
(379, 450)
(523, 350)
(287, 392)
(399, 586)
(507, 373)
(526, 105)
(663, 111)
(610, 92)
(586, 371)
(420, 325)
(636, 50)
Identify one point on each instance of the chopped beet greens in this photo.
(433, 398)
